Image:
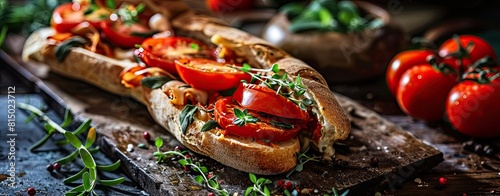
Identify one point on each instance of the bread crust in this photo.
(237, 152)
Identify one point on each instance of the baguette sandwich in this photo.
(221, 92)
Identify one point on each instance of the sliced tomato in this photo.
(206, 74)
(261, 130)
(68, 15)
(122, 35)
(263, 99)
(162, 52)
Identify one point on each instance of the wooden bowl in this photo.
(341, 57)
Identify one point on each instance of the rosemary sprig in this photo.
(259, 186)
(205, 177)
(282, 84)
(89, 173)
(303, 159)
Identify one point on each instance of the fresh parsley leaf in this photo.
(187, 116)
(242, 117)
(155, 82)
(275, 68)
(209, 125)
(246, 67)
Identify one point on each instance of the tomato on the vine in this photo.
(473, 108)
(206, 74)
(263, 129)
(68, 15)
(476, 48)
(404, 61)
(260, 98)
(163, 51)
(124, 35)
(422, 92)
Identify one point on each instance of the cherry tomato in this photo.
(68, 15)
(229, 5)
(402, 62)
(473, 108)
(478, 50)
(121, 34)
(161, 52)
(422, 92)
(209, 74)
(261, 130)
(260, 98)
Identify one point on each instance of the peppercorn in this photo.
(57, 166)
(288, 185)
(211, 194)
(177, 148)
(443, 181)
(146, 135)
(31, 191)
(50, 168)
(281, 183)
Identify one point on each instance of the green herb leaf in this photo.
(48, 128)
(248, 190)
(246, 67)
(30, 118)
(275, 68)
(94, 150)
(194, 46)
(203, 169)
(242, 117)
(325, 17)
(158, 142)
(86, 181)
(79, 188)
(287, 193)
(154, 82)
(306, 25)
(91, 135)
(76, 176)
(111, 167)
(183, 162)
(199, 179)
(253, 178)
(41, 141)
(266, 191)
(68, 117)
(140, 8)
(87, 158)
(73, 139)
(281, 124)
(292, 9)
(187, 116)
(83, 127)
(111, 4)
(65, 160)
(64, 48)
(111, 182)
(211, 124)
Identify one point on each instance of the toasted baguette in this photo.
(241, 153)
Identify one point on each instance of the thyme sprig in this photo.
(280, 82)
(89, 173)
(127, 13)
(259, 186)
(303, 158)
(204, 177)
(243, 117)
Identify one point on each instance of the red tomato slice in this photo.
(206, 74)
(422, 92)
(162, 52)
(121, 34)
(263, 99)
(473, 108)
(68, 15)
(261, 130)
(402, 62)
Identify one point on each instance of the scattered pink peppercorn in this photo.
(281, 183)
(146, 135)
(187, 156)
(178, 148)
(443, 181)
(186, 168)
(57, 166)
(211, 194)
(288, 185)
(50, 168)
(210, 175)
(31, 191)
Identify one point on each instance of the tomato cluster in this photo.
(459, 82)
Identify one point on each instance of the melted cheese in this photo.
(180, 93)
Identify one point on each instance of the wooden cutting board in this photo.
(120, 121)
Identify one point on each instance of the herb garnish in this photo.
(259, 186)
(281, 124)
(194, 46)
(280, 83)
(303, 159)
(154, 82)
(187, 116)
(128, 16)
(205, 177)
(89, 173)
(242, 117)
(209, 125)
(62, 50)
